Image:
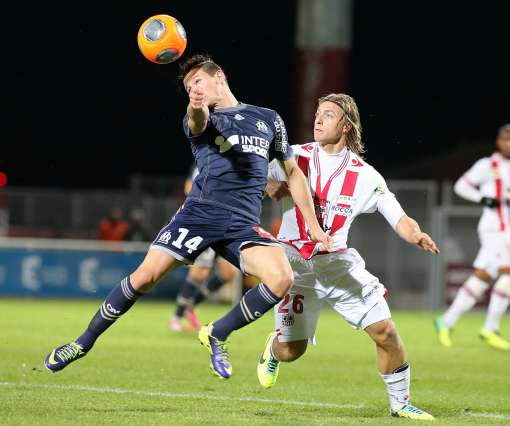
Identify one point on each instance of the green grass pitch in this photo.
(141, 373)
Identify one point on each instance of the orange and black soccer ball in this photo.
(162, 39)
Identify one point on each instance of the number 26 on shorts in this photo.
(297, 304)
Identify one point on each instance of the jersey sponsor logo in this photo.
(262, 127)
(165, 237)
(342, 209)
(346, 199)
(255, 145)
(281, 141)
(356, 163)
(225, 144)
(249, 144)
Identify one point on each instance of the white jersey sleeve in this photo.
(467, 186)
(390, 208)
(275, 171)
(479, 172)
(384, 201)
(467, 191)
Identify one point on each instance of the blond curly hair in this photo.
(349, 107)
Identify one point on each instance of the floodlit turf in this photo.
(141, 373)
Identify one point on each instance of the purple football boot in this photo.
(220, 364)
(62, 356)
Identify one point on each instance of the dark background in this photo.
(83, 108)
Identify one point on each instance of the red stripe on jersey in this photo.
(349, 183)
(301, 224)
(338, 222)
(321, 194)
(350, 180)
(499, 194)
(303, 163)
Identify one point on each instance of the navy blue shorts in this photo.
(197, 226)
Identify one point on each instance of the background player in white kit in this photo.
(487, 183)
(343, 186)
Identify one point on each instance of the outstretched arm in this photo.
(409, 230)
(198, 112)
(301, 195)
(406, 227)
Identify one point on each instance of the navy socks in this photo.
(118, 302)
(255, 303)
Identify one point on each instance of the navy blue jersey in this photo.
(232, 155)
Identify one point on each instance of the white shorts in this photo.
(205, 259)
(341, 280)
(494, 253)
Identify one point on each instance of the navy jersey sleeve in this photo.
(187, 131)
(281, 149)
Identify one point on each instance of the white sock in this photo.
(463, 302)
(271, 351)
(397, 384)
(465, 299)
(497, 307)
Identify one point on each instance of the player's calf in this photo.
(274, 353)
(255, 303)
(289, 351)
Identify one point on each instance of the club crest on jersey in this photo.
(262, 127)
(165, 237)
(380, 190)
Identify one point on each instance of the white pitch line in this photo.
(488, 415)
(184, 395)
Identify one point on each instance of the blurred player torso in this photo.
(342, 185)
(233, 154)
(492, 176)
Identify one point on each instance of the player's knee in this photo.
(483, 276)
(502, 285)
(290, 351)
(198, 274)
(143, 280)
(475, 286)
(385, 334)
(280, 282)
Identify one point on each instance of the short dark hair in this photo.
(504, 128)
(204, 62)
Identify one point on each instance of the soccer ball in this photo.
(162, 39)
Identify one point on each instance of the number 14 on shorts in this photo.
(191, 244)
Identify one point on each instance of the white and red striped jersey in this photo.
(343, 186)
(488, 177)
